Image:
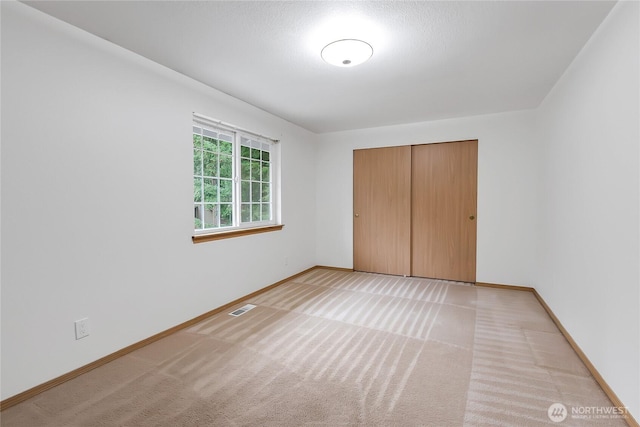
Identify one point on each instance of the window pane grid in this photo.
(256, 181)
(232, 179)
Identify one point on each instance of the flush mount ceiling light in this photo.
(347, 52)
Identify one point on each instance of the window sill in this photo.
(201, 238)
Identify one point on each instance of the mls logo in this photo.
(557, 412)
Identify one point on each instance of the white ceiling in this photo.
(431, 60)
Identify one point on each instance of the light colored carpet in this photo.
(335, 348)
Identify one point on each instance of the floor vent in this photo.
(242, 310)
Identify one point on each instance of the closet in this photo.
(415, 210)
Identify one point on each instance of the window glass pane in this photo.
(246, 212)
(210, 144)
(197, 162)
(226, 147)
(198, 209)
(226, 166)
(266, 192)
(255, 212)
(210, 190)
(245, 166)
(265, 172)
(197, 189)
(210, 133)
(255, 192)
(265, 156)
(255, 154)
(226, 214)
(226, 190)
(246, 191)
(266, 211)
(210, 164)
(245, 151)
(210, 216)
(197, 140)
(255, 170)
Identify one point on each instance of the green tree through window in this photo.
(232, 179)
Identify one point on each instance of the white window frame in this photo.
(257, 141)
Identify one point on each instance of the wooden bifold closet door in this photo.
(415, 210)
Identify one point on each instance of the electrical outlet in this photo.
(286, 260)
(82, 328)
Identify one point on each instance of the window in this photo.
(233, 178)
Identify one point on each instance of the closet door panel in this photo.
(444, 193)
(382, 210)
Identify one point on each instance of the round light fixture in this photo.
(347, 52)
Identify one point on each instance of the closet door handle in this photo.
(472, 217)
(357, 215)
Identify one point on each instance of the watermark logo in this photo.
(557, 412)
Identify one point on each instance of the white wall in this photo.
(96, 200)
(589, 219)
(507, 189)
